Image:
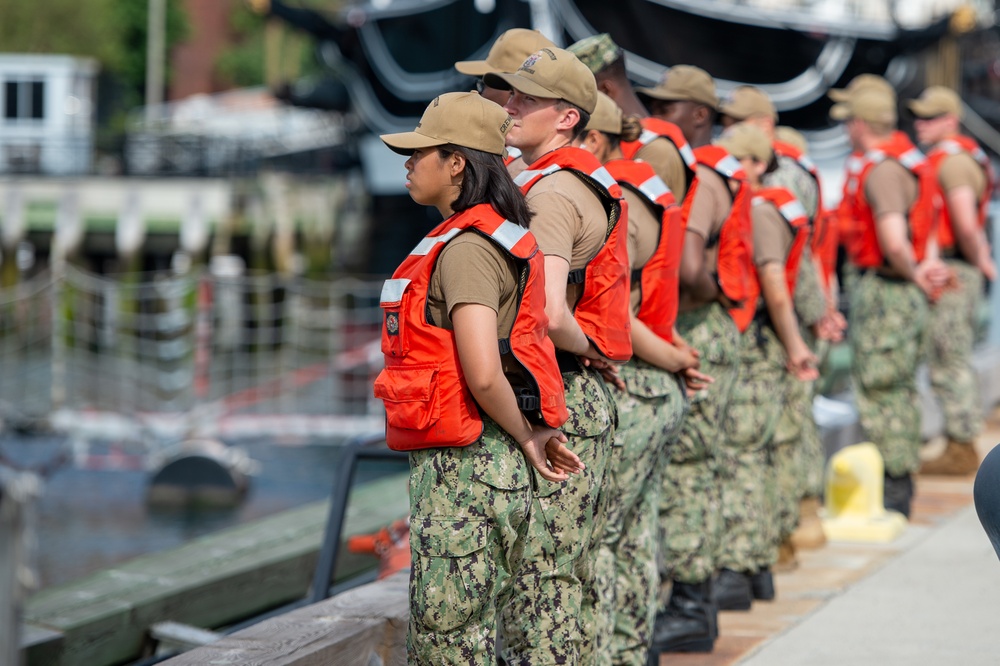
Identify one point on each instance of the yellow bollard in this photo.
(854, 486)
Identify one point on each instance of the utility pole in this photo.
(155, 55)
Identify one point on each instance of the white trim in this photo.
(425, 246)
(509, 234)
(728, 165)
(392, 290)
(602, 176)
(792, 210)
(528, 175)
(654, 187)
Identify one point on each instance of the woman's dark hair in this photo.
(486, 180)
(631, 130)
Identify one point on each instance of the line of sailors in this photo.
(608, 408)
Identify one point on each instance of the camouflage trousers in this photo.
(744, 465)
(689, 504)
(888, 318)
(813, 451)
(808, 298)
(469, 511)
(796, 453)
(950, 338)
(650, 414)
(550, 616)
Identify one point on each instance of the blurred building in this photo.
(48, 119)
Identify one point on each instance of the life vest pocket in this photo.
(393, 302)
(410, 394)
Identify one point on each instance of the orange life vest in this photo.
(794, 214)
(602, 310)
(736, 273)
(659, 278)
(427, 399)
(654, 128)
(923, 213)
(822, 237)
(849, 209)
(954, 146)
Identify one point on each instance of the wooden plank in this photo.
(343, 631)
(211, 582)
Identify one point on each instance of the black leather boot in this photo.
(762, 585)
(731, 590)
(898, 493)
(688, 623)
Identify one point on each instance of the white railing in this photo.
(153, 358)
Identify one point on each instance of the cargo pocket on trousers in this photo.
(452, 574)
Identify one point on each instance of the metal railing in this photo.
(140, 357)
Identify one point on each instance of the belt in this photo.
(568, 361)
(884, 273)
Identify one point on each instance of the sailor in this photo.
(651, 408)
(772, 350)
(896, 209)
(661, 144)
(818, 318)
(848, 216)
(471, 385)
(506, 55)
(685, 97)
(824, 241)
(965, 176)
(581, 226)
(715, 275)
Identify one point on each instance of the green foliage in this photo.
(111, 31)
(243, 63)
(130, 22)
(75, 27)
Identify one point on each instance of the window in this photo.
(24, 99)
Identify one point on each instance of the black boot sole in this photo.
(693, 645)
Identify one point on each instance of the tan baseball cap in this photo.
(936, 101)
(607, 116)
(869, 104)
(551, 73)
(507, 53)
(747, 102)
(464, 119)
(596, 51)
(862, 82)
(745, 140)
(791, 136)
(684, 82)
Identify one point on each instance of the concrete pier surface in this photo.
(930, 597)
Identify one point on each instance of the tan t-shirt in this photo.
(666, 160)
(472, 269)
(772, 237)
(961, 169)
(569, 222)
(709, 210)
(643, 235)
(890, 188)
